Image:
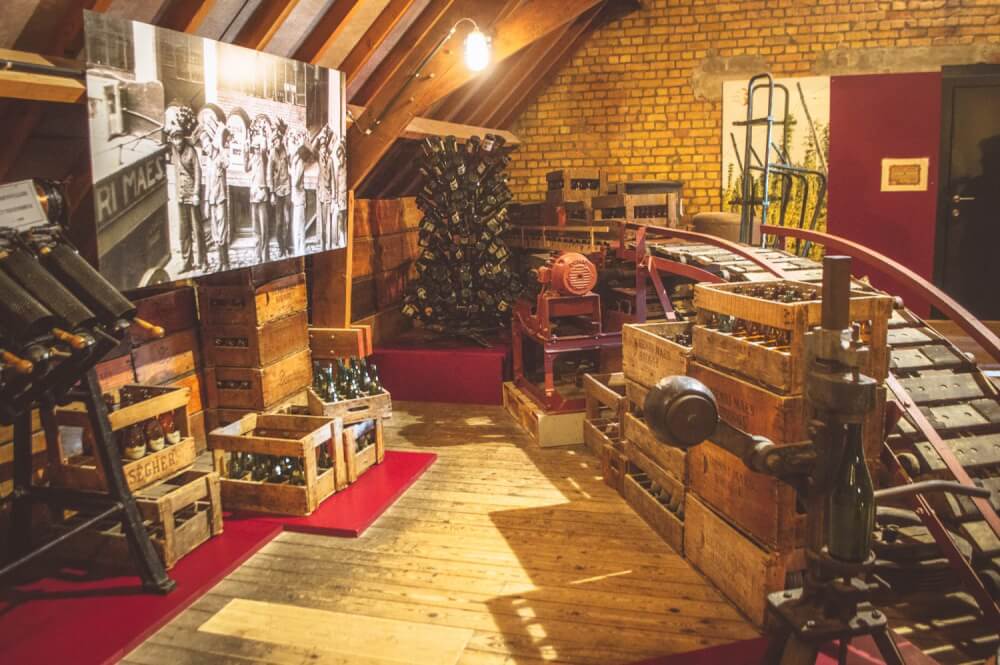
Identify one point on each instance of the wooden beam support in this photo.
(419, 128)
(314, 47)
(428, 27)
(265, 21)
(380, 28)
(541, 78)
(40, 87)
(530, 21)
(185, 15)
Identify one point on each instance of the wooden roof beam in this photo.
(376, 33)
(541, 77)
(185, 15)
(315, 45)
(263, 23)
(372, 136)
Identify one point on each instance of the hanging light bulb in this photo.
(477, 50)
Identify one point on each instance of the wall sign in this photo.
(905, 174)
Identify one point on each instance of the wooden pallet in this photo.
(293, 436)
(546, 429)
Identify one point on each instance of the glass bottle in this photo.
(169, 427)
(851, 504)
(133, 442)
(155, 438)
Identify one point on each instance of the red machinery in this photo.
(565, 318)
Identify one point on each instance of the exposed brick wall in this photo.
(633, 99)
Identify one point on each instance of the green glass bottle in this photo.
(331, 394)
(851, 504)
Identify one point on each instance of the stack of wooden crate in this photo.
(358, 415)
(255, 338)
(656, 476)
(181, 506)
(574, 189)
(652, 202)
(743, 529)
(602, 425)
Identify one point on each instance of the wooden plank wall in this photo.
(385, 248)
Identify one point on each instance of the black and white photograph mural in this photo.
(207, 156)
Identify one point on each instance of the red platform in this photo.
(73, 618)
(349, 513)
(418, 368)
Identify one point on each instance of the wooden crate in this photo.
(650, 500)
(258, 389)
(85, 472)
(578, 184)
(281, 436)
(752, 408)
(605, 395)
(228, 305)
(660, 209)
(173, 309)
(739, 567)
(761, 506)
(248, 345)
(351, 410)
(600, 432)
(648, 354)
(639, 437)
(332, 343)
(255, 276)
(359, 461)
(782, 369)
(180, 514)
(163, 360)
(547, 429)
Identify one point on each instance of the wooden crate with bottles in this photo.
(150, 424)
(352, 391)
(279, 463)
(758, 330)
(602, 425)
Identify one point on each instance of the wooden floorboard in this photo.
(501, 554)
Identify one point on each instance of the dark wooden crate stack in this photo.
(329, 344)
(656, 475)
(174, 360)
(255, 337)
(656, 209)
(759, 388)
(602, 424)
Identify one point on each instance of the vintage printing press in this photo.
(58, 318)
(829, 473)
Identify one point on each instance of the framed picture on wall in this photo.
(905, 174)
(208, 156)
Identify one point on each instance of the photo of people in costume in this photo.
(207, 156)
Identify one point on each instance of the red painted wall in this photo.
(871, 117)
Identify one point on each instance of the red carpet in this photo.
(71, 619)
(84, 621)
(349, 513)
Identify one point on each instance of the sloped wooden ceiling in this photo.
(379, 44)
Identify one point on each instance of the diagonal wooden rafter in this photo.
(315, 45)
(528, 22)
(376, 33)
(185, 15)
(264, 23)
(539, 79)
(430, 19)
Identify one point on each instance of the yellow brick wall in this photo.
(626, 102)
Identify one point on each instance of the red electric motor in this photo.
(570, 274)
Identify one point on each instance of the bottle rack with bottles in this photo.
(150, 424)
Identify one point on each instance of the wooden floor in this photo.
(501, 553)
